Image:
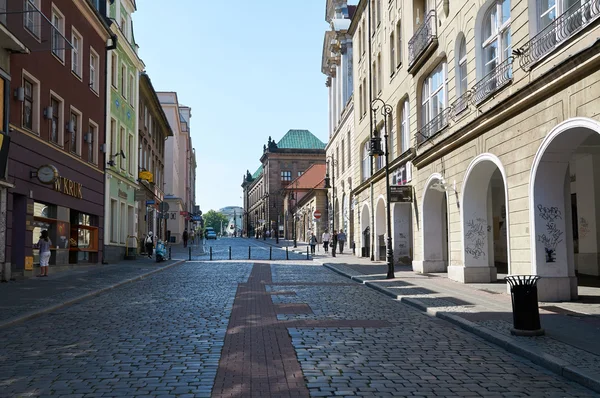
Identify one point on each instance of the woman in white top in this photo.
(325, 239)
(44, 246)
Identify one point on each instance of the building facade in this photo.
(57, 122)
(337, 65)
(281, 162)
(154, 129)
(122, 99)
(489, 107)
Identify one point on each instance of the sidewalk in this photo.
(24, 299)
(570, 346)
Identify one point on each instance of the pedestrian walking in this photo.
(313, 243)
(192, 236)
(341, 238)
(325, 239)
(334, 241)
(149, 244)
(44, 246)
(185, 238)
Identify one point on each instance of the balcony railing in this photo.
(422, 38)
(434, 126)
(558, 31)
(500, 76)
(461, 105)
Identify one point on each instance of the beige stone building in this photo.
(494, 120)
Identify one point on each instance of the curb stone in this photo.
(66, 303)
(538, 357)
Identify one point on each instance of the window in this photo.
(378, 12)
(93, 143)
(391, 144)
(286, 176)
(343, 162)
(123, 25)
(360, 100)
(123, 148)
(360, 42)
(58, 43)
(113, 70)
(28, 104)
(31, 17)
(349, 149)
(379, 74)
(364, 37)
(549, 10)
(55, 120)
(131, 88)
(404, 127)
(434, 98)
(374, 82)
(76, 53)
(94, 70)
(123, 80)
(392, 54)
(75, 131)
(461, 68)
(366, 172)
(123, 223)
(130, 154)
(300, 173)
(496, 35)
(399, 44)
(113, 137)
(337, 163)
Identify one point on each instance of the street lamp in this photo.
(293, 197)
(374, 151)
(327, 186)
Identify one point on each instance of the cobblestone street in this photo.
(241, 329)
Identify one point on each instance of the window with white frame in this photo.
(114, 219)
(94, 70)
(74, 131)
(366, 166)
(360, 42)
(343, 162)
(496, 40)
(404, 127)
(379, 74)
(92, 139)
(399, 49)
(114, 70)
(364, 37)
(286, 176)
(378, 12)
(58, 42)
(461, 68)
(131, 88)
(76, 52)
(28, 103)
(549, 10)
(349, 149)
(123, 223)
(124, 80)
(392, 54)
(434, 94)
(374, 76)
(113, 137)
(123, 148)
(31, 17)
(56, 119)
(130, 156)
(360, 100)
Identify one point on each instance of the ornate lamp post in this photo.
(375, 150)
(327, 186)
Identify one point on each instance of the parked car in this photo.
(210, 234)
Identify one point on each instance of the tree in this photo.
(214, 219)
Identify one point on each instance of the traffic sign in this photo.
(317, 214)
(164, 207)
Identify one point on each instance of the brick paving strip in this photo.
(258, 358)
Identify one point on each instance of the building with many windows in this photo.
(57, 124)
(124, 68)
(281, 162)
(491, 104)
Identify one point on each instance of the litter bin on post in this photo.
(526, 314)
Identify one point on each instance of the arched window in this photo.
(496, 40)
(366, 166)
(461, 67)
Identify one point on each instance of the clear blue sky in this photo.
(248, 69)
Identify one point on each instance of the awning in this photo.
(31, 27)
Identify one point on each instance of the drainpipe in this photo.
(111, 47)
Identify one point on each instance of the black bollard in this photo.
(270, 252)
(169, 252)
(307, 257)
(249, 251)
(210, 253)
(190, 253)
(230, 252)
(287, 257)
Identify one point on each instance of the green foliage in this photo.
(213, 219)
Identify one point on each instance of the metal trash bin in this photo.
(526, 314)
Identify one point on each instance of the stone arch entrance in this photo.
(380, 230)
(565, 210)
(435, 227)
(365, 231)
(484, 218)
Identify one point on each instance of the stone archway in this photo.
(564, 200)
(484, 219)
(380, 230)
(434, 237)
(365, 231)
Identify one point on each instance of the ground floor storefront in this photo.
(121, 217)
(55, 192)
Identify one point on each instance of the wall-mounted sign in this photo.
(146, 175)
(401, 193)
(68, 187)
(122, 194)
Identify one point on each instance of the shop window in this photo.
(84, 238)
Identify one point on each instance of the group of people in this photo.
(335, 239)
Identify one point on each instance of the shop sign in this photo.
(122, 194)
(401, 175)
(68, 187)
(146, 175)
(401, 193)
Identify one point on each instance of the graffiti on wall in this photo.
(553, 234)
(584, 228)
(475, 237)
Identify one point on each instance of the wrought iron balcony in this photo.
(434, 126)
(557, 32)
(423, 37)
(499, 77)
(461, 105)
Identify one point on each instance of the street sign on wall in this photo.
(317, 214)
(401, 193)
